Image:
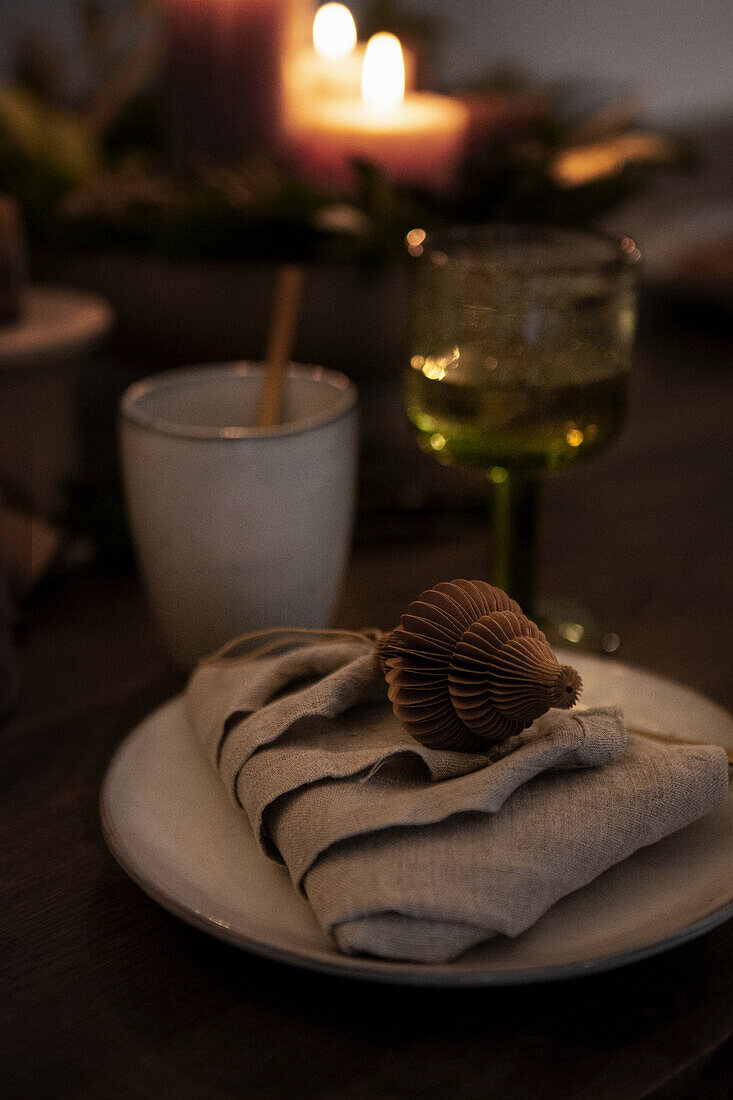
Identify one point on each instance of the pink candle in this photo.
(417, 139)
(419, 143)
(224, 74)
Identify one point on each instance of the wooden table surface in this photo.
(106, 995)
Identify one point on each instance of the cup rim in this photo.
(130, 408)
(623, 252)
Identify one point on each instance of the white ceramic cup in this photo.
(238, 528)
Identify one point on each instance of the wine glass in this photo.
(520, 352)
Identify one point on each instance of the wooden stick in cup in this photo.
(282, 331)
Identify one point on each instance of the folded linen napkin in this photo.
(406, 852)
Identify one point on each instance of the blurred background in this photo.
(677, 55)
(609, 113)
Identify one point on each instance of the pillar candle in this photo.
(415, 139)
(224, 76)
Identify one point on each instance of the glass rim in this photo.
(623, 252)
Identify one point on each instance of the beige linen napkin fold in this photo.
(406, 852)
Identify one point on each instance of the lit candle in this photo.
(224, 76)
(416, 139)
(333, 68)
(334, 32)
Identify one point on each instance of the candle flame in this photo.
(334, 31)
(383, 74)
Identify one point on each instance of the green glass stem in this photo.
(514, 537)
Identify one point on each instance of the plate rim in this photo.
(382, 970)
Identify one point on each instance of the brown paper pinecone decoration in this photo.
(466, 667)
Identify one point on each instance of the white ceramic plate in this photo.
(56, 324)
(167, 821)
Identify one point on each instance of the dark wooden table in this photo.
(106, 995)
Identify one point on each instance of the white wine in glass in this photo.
(521, 347)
